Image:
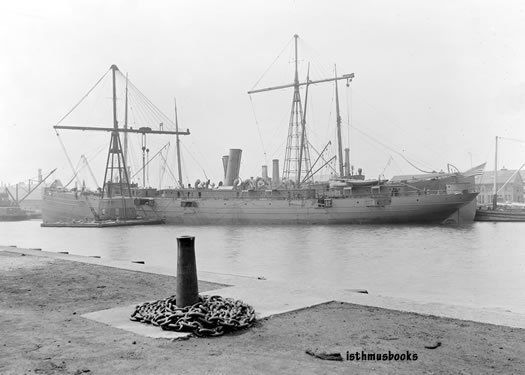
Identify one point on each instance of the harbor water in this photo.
(479, 265)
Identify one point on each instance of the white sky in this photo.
(434, 80)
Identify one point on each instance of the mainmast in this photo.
(126, 123)
(303, 134)
(338, 120)
(297, 143)
(178, 145)
(297, 155)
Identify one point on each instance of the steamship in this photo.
(293, 197)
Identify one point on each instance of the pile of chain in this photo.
(211, 316)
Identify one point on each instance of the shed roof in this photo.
(503, 175)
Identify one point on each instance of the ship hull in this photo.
(424, 209)
(66, 206)
(437, 208)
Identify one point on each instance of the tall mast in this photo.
(115, 156)
(338, 119)
(297, 143)
(177, 144)
(113, 71)
(115, 151)
(126, 123)
(303, 132)
(495, 196)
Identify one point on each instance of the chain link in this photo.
(211, 316)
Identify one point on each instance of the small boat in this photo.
(10, 211)
(511, 212)
(500, 214)
(104, 223)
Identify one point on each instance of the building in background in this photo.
(512, 192)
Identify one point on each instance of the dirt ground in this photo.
(43, 333)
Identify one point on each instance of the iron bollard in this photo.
(187, 288)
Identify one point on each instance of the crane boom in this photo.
(141, 130)
(348, 77)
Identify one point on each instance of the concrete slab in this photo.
(478, 314)
(118, 317)
(272, 299)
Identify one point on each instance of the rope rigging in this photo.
(258, 129)
(389, 148)
(272, 64)
(84, 97)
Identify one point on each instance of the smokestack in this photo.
(275, 173)
(225, 165)
(234, 165)
(39, 175)
(265, 172)
(347, 162)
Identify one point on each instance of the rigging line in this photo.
(78, 169)
(320, 154)
(165, 118)
(258, 129)
(142, 116)
(96, 152)
(391, 149)
(348, 111)
(142, 108)
(147, 112)
(82, 99)
(316, 56)
(66, 153)
(150, 160)
(398, 167)
(170, 171)
(394, 123)
(154, 113)
(195, 160)
(274, 61)
(512, 139)
(387, 165)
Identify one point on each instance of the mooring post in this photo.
(187, 288)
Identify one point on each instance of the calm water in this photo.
(479, 265)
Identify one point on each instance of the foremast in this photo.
(115, 152)
(116, 163)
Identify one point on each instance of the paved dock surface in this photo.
(42, 300)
